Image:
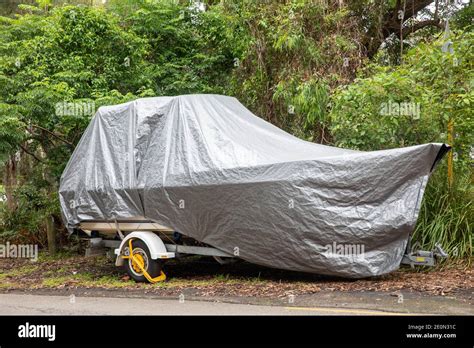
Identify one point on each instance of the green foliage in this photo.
(446, 215)
(9, 133)
(189, 51)
(463, 18)
(365, 116)
(69, 54)
(309, 98)
(26, 224)
(296, 52)
(429, 79)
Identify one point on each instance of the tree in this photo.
(59, 64)
(297, 52)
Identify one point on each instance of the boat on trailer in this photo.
(200, 174)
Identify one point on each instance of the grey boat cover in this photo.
(205, 166)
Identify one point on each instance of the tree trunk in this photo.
(24, 167)
(391, 23)
(51, 233)
(10, 182)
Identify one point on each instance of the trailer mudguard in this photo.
(153, 242)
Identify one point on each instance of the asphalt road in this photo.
(19, 304)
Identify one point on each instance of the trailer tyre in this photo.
(142, 253)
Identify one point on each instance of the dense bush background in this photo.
(320, 70)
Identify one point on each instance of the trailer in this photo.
(142, 246)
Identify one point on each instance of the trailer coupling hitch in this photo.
(423, 257)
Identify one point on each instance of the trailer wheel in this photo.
(142, 253)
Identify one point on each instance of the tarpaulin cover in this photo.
(205, 166)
